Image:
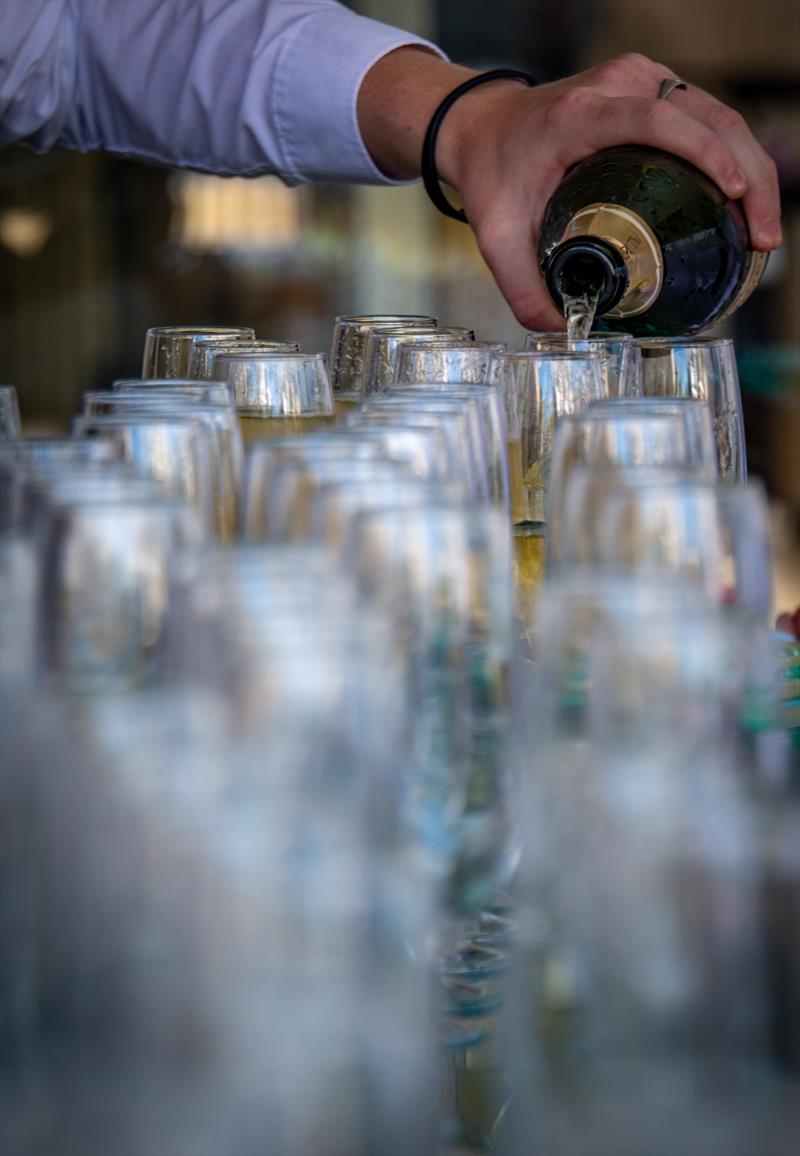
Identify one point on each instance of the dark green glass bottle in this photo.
(663, 247)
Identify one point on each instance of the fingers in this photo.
(762, 197)
(636, 75)
(590, 122)
(511, 256)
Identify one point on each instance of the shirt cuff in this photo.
(316, 85)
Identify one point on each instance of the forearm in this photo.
(227, 86)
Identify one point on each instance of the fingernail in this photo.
(737, 185)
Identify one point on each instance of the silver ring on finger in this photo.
(668, 86)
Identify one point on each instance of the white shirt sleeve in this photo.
(225, 86)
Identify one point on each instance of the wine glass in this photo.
(457, 362)
(277, 394)
(168, 349)
(494, 431)
(605, 437)
(223, 430)
(205, 348)
(105, 558)
(9, 413)
(672, 524)
(204, 392)
(380, 355)
(176, 451)
(19, 456)
(350, 334)
(468, 411)
(539, 389)
(703, 368)
(695, 415)
(647, 884)
(619, 357)
(295, 485)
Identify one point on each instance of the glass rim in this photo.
(281, 415)
(552, 354)
(266, 355)
(196, 330)
(594, 335)
(681, 342)
(381, 318)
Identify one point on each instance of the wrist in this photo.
(396, 101)
(472, 118)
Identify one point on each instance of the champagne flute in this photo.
(457, 362)
(223, 430)
(106, 556)
(539, 389)
(19, 456)
(674, 525)
(168, 349)
(176, 451)
(619, 357)
(468, 410)
(495, 436)
(205, 348)
(277, 394)
(703, 368)
(350, 334)
(206, 393)
(609, 435)
(380, 355)
(695, 415)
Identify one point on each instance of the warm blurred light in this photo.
(233, 213)
(25, 231)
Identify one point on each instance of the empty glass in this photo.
(695, 415)
(419, 407)
(659, 523)
(459, 361)
(703, 368)
(207, 393)
(105, 593)
(606, 436)
(619, 357)
(168, 349)
(177, 451)
(9, 412)
(205, 348)
(223, 431)
(350, 336)
(494, 429)
(19, 455)
(277, 394)
(639, 892)
(380, 355)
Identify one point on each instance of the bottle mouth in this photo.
(586, 266)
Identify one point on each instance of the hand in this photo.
(505, 148)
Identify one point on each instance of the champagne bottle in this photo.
(654, 239)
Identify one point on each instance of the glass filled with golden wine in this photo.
(539, 388)
(277, 394)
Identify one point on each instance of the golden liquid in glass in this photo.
(254, 426)
(529, 552)
(344, 403)
(519, 506)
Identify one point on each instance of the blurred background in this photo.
(94, 249)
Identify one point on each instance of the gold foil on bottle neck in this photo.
(635, 242)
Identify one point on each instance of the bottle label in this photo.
(755, 264)
(636, 243)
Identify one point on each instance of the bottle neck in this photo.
(586, 267)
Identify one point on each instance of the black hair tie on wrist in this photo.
(430, 177)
